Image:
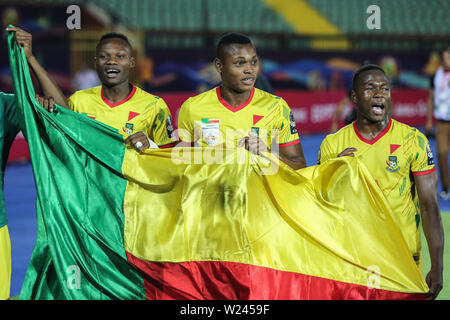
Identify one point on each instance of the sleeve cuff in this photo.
(289, 143)
(422, 173)
(169, 145)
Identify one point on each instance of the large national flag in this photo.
(117, 224)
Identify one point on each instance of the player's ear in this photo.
(218, 64)
(132, 62)
(353, 97)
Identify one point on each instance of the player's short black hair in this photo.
(362, 69)
(231, 38)
(114, 35)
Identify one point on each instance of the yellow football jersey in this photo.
(396, 154)
(140, 111)
(207, 119)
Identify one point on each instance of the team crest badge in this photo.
(392, 164)
(128, 128)
(255, 131)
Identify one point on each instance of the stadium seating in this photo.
(192, 15)
(198, 16)
(167, 21)
(399, 17)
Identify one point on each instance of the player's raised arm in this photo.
(48, 85)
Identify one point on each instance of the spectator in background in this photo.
(316, 81)
(262, 82)
(439, 106)
(350, 115)
(336, 81)
(10, 16)
(145, 71)
(85, 78)
(390, 66)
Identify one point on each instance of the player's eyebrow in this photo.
(240, 57)
(373, 81)
(120, 51)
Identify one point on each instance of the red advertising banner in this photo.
(313, 111)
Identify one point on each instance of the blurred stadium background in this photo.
(309, 50)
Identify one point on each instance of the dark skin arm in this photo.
(432, 227)
(293, 156)
(290, 155)
(48, 85)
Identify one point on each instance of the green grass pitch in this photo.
(445, 293)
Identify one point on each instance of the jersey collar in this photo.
(237, 108)
(112, 105)
(378, 137)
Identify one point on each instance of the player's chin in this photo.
(377, 118)
(244, 87)
(112, 82)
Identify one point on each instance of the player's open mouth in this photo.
(378, 109)
(248, 81)
(111, 72)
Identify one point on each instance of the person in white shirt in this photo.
(439, 107)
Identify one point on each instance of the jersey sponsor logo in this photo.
(128, 129)
(292, 123)
(169, 126)
(392, 164)
(210, 131)
(430, 160)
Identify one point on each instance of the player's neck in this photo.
(370, 130)
(117, 93)
(234, 98)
